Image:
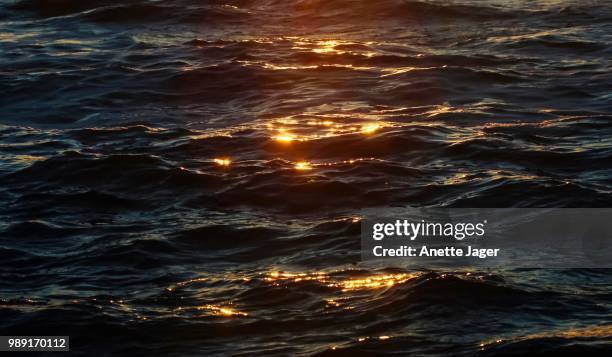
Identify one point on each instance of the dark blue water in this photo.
(187, 177)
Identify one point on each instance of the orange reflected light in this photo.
(321, 123)
(222, 161)
(370, 128)
(303, 165)
(348, 284)
(222, 311)
(327, 47)
(373, 282)
(285, 137)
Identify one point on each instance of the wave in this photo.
(343, 172)
(197, 170)
(240, 11)
(110, 11)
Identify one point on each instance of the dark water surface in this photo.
(186, 177)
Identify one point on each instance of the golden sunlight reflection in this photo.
(370, 128)
(321, 47)
(290, 130)
(285, 137)
(326, 46)
(443, 109)
(306, 165)
(333, 302)
(320, 123)
(375, 281)
(221, 310)
(303, 165)
(597, 331)
(603, 331)
(22, 159)
(223, 161)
